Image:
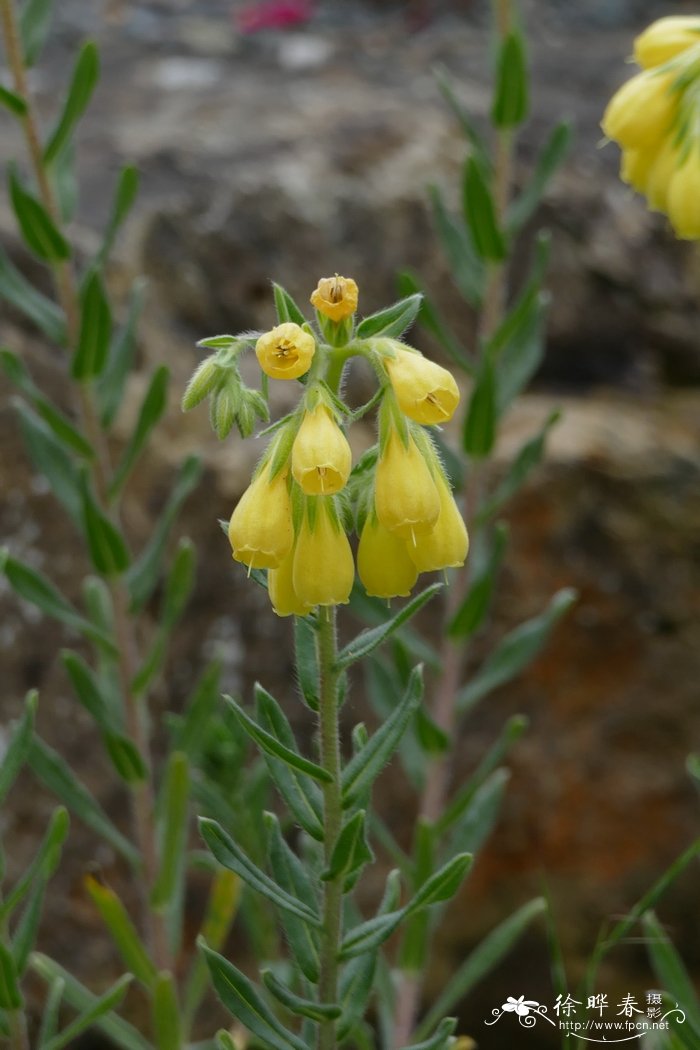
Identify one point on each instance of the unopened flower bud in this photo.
(666, 38)
(426, 392)
(335, 297)
(323, 570)
(261, 531)
(321, 457)
(204, 380)
(224, 409)
(286, 352)
(253, 406)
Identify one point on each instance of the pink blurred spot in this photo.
(273, 14)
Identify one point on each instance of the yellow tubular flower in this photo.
(635, 166)
(684, 199)
(383, 563)
(426, 392)
(286, 352)
(405, 496)
(323, 570)
(335, 297)
(447, 545)
(642, 111)
(280, 587)
(261, 532)
(660, 174)
(321, 457)
(666, 38)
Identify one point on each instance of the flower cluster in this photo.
(655, 118)
(305, 499)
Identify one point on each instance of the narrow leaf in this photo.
(370, 639)
(356, 984)
(291, 875)
(548, 162)
(191, 730)
(510, 103)
(466, 267)
(10, 995)
(428, 316)
(474, 137)
(15, 103)
(49, 1017)
(529, 456)
(26, 930)
(122, 930)
(61, 426)
(523, 352)
(175, 826)
(87, 688)
(17, 749)
(231, 856)
(59, 778)
(166, 1013)
(34, 27)
(110, 385)
(107, 547)
(50, 458)
(440, 1040)
(126, 758)
(370, 934)
(515, 651)
(481, 814)
(90, 356)
(481, 423)
(42, 865)
(670, 969)
(240, 996)
(37, 227)
(364, 767)
(272, 746)
(350, 850)
(287, 309)
(40, 310)
(65, 183)
(106, 1002)
(83, 82)
(306, 661)
(124, 197)
(391, 322)
(480, 213)
(473, 610)
(295, 1003)
(442, 885)
(152, 409)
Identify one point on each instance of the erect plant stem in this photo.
(142, 793)
(329, 746)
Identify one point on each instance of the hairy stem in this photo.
(143, 794)
(329, 743)
(453, 652)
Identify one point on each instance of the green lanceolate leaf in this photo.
(515, 651)
(26, 930)
(510, 103)
(112, 381)
(124, 197)
(480, 214)
(391, 322)
(481, 961)
(34, 26)
(306, 661)
(18, 748)
(350, 851)
(369, 640)
(408, 283)
(87, 688)
(126, 758)
(10, 995)
(272, 746)
(102, 1005)
(175, 826)
(40, 310)
(356, 984)
(441, 886)
(549, 160)
(37, 227)
(36, 589)
(440, 1040)
(295, 1003)
(95, 333)
(481, 423)
(50, 457)
(63, 430)
(241, 997)
(472, 612)
(43, 864)
(13, 102)
(191, 729)
(178, 588)
(477, 821)
(65, 182)
(77, 995)
(228, 853)
(85, 76)
(474, 137)
(108, 551)
(166, 1013)
(152, 408)
(50, 1015)
(466, 266)
(670, 970)
(529, 456)
(370, 934)
(289, 872)
(523, 352)
(122, 930)
(144, 573)
(59, 778)
(287, 309)
(364, 767)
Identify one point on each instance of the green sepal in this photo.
(371, 638)
(514, 652)
(287, 309)
(392, 321)
(481, 422)
(37, 227)
(231, 856)
(166, 1013)
(86, 73)
(510, 103)
(473, 610)
(17, 749)
(241, 997)
(480, 214)
(295, 1003)
(269, 743)
(152, 408)
(95, 332)
(364, 767)
(289, 872)
(173, 832)
(351, 851)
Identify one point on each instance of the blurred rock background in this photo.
(288, 155)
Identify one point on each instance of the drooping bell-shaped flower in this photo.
(405, 497)
(666, 38)
(261, 531)
(280, 587)
(323, 569)
(447, 544)
(425, 391)
(285, 352)
(684, 198)
(383, 562)
(321, 456)
(643, 111)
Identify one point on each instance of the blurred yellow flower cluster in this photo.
(655, 118)
(304, 500)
